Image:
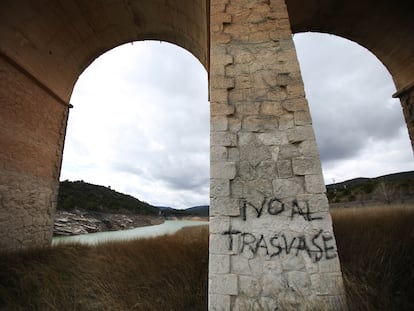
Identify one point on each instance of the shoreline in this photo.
(70, 223)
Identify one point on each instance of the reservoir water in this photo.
(168, 227)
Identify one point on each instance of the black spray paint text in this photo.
(274, 207)
(317, 246)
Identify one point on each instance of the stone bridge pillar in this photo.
(406, 96)
(32, 128)
(271, 240)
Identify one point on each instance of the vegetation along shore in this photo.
(375, 246)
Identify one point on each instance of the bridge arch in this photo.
(55, 41)
(45, 45)
(385, 28)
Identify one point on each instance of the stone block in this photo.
(287, 188)
(318, 203)
(234, 124)
(284, 168)
(272, 267)
(242, 303)
(218, 153)
(218, 123)
(274, 150)
(237, 187)
(247, 138)
(221, 108)
(248, 108)
(273, 284)
(306, 165)
(330, 284)
(223, 284)
(302, 117)
(259, 123)
(219, 264)
(233, 154)
(222, 82)
(217, 302)
(330, 265)
(288, 152)
(254, 154)
(277, 94)
(244, 82)
(269, 303)
(300, 133)
(315, 184)
(293, 263)
(300, 281)
(222, 170)
(273, 138)
(219, 244)
(219, 224)
(240, 265)
(297, 104)
(219, 187)
(286, 121)
(249, 286)
(224, 206)
(247, 171)
(266, 170)
(309, 148)
(272, 108)
(224, 139)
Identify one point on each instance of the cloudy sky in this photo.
(140, 121)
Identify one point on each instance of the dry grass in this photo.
(165, 273)
(376, 250)
(375, 245)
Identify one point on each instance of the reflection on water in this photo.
(168, 227)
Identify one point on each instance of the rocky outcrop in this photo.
(77, 222)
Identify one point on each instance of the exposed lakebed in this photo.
(168, 227)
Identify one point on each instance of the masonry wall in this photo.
(407, 104)
(271, 239)
(32, 128)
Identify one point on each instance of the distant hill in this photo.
(202, 210)
(89, 197)
(169, 211)
(397, 187)
(84, 196)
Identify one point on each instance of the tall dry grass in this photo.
(375, 245)
(165, 273)
(376, 250)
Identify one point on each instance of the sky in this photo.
(140, 122)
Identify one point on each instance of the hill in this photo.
(84, 196)
(94, 198)
(397, 188)
(201, 211)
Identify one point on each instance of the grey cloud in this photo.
(174, 74)
(346, 95)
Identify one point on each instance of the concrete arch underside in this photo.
(262, 142)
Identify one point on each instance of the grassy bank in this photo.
(376, 248)
(165, 273)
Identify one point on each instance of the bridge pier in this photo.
(32, 130)
(406, 96)
(271, 238)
